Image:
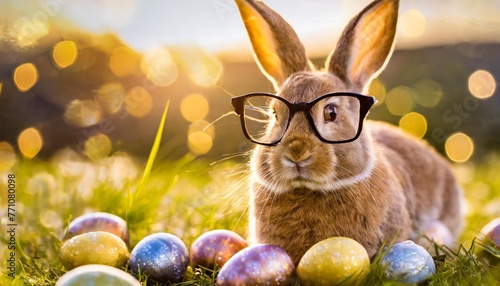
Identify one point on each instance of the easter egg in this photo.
(439, 233)
(408, 262)
(491, 231)
(161, 256)
(214, 248)
(334, 261)
(97, 275)
(96, 247)
(259, 264)
(98, 221)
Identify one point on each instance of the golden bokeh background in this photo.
(65, 85)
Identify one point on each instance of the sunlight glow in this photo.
(194, 107)
(459, 147)
(377, 89)
(64, 53)
(110, 97)
(159, 67)
(412, 23)
(25, 76)
(399, 100)
(202, 69)
(28, 31)
(123, 61)
(30, 142)
(83, 113)
(7, 156)
(138, 102)
(98, 147)
(414, 123)
(482, 84)
(199, 142)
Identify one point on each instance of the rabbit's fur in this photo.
(385, 185)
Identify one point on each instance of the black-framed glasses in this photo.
(334, 117)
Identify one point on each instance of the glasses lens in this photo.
(265, 118)
(337, 117)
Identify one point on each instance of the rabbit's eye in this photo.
(330, 113)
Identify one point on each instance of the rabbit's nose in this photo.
(298, 154)
(297, 162)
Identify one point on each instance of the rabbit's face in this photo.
(301, 160)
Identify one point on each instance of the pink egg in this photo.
(492, 231)
(98, 221)
(260, 264)
(439, 233)
(214, 248)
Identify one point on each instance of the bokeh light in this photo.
(138, 102)
(98, 147)
(459, 147)
(412, 23)
(428, 93)
(110, 97)
(65, 53)
(123, 61)
(7, 156)
(83, 113)
(399, 100)
(1, 85)
(194, 107)
(159, 67)
(482, 84)
(25, 76)
(414, 123)
(30, 142)
(377, 89)
(203, 126)
(202, 69)
(199, 142)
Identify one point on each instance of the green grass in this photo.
(187, 198)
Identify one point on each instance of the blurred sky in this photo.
(215, 24)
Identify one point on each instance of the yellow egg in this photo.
(96, 247)
(334, 261)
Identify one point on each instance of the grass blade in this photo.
(151, 158)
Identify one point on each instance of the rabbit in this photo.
(383, 186)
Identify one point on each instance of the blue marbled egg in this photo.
(161, 256)
(408, 262)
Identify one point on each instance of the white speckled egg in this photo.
(408, 262)
(96, 247)
(97, 275)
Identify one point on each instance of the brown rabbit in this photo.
(317, 172)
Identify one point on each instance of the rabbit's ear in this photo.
(277, 47)
(365, 44)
